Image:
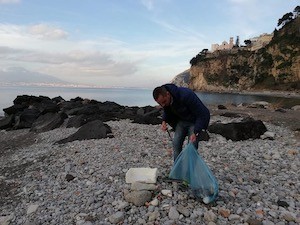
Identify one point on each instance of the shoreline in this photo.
(281, 94)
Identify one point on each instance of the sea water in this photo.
(128, 96)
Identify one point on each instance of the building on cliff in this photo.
(256, 43)
(224, 46)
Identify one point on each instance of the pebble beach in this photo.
(259, 180)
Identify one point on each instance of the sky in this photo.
(123, 43)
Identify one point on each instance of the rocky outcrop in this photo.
(274, 67)
(182, 79)
(40, 113)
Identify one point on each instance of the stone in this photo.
(116, 218)
(138, 198)
(296, 107)
(282, 203)
(209, 216)
(224, 212)
(48, 121)
(183, 210)
(173, 213)
(5, 220)
(69, 177)
(153, 216)
(32, 208)
(138, 186)
(252, 221)
(154, 202)
(268, 136)
(92, 130)
(166, 192)
(288, 216)
(233, 217)
(237, 131)
(221, 107)
(143, 175)
(268, 222)
(6, 122)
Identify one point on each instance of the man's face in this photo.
(164, 100)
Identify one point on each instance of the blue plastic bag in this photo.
(191, 168)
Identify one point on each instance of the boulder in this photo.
(92, 130)
(230, 115)
(46, 105)
(138, 198)
(147, 120)
(84, 109)
(222, 107)
(78, 121)
(14, 109)
(48, 122)
(26, 118)
(237, 131)
(6, 122)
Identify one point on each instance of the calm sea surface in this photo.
(128, 96)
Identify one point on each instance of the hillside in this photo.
(273, 67)
(19, 75)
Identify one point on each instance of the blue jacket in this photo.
(186, 106)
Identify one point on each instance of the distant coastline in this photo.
(61, 85)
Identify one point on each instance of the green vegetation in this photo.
(267, 60)
(284, 65)
(278, 58)
(283, 76)
(265, 79)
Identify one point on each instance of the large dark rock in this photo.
(48, 122)
(46, 106)
(78, 121)
(230, 114)
(147, 120)
(58, 99)
(237, 131)
(93, 130)
(26, 118)
(6, 122)
(29, 99)
(109, 107)
(14, 109)
(85, 109)
(68, 105)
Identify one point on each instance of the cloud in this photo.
(92, 62)
(104, 60)
(9, 1)
(47, 32)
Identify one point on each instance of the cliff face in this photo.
(274, 67)
(182, 79)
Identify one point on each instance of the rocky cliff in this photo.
(273, 67)
(182, 79)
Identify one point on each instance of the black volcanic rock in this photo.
(93, 130)
(237, 131)
(48, 122)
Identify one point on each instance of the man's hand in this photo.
(164, 126)
(193, 138)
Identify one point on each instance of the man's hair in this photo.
(161, 90)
